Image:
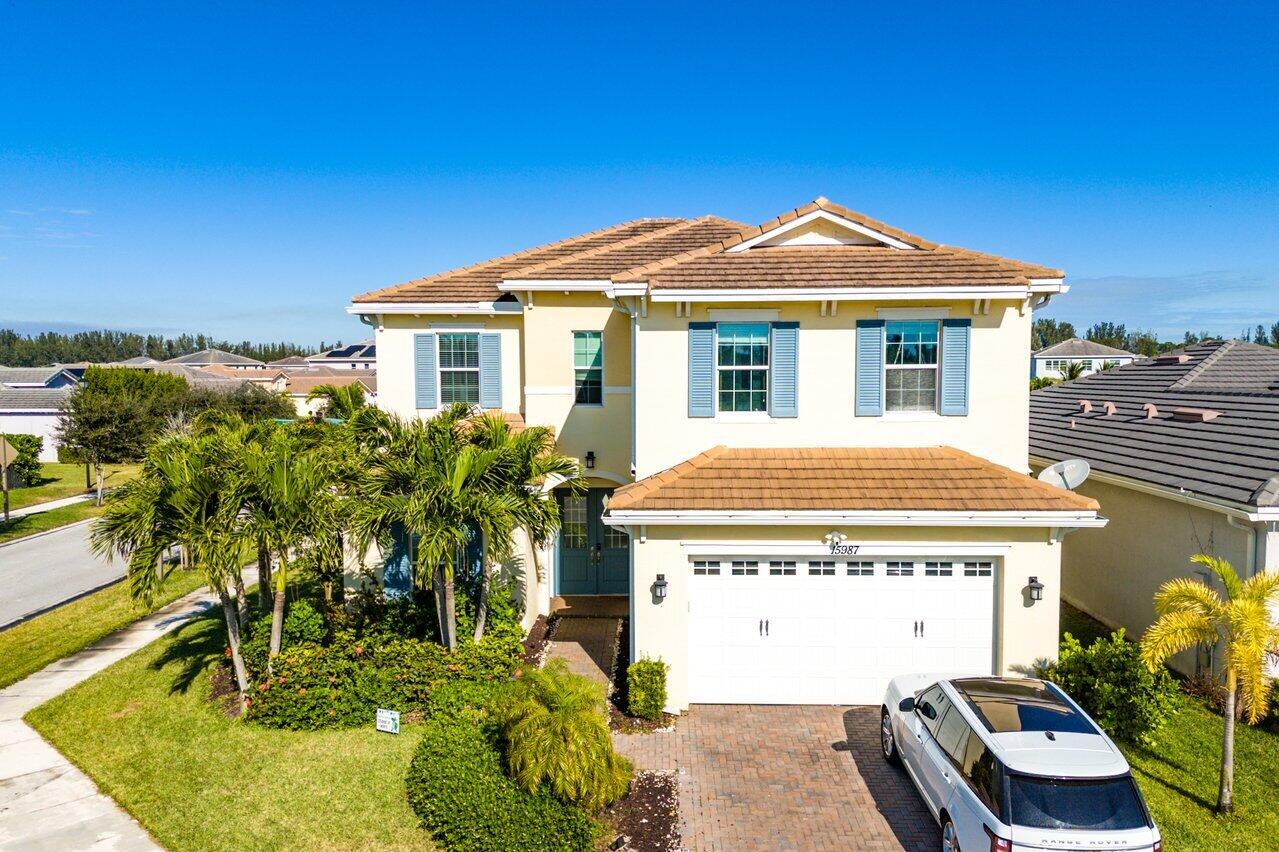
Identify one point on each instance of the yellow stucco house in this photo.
(807, 442)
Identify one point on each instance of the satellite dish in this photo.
(1068, 474)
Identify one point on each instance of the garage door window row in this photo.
(829, 568)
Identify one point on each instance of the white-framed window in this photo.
(459, 367)
(742, 365)
(910, 365)
(588, 367)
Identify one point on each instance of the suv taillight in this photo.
(1158, 847)
(999, 844)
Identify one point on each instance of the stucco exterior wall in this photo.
(1113, 573)
(44, 425)
(996, 427)
(1024, 632)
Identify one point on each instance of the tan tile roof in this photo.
(478, 283)
(305, 384)
(604, 261)
(246, 373)
(844, 479)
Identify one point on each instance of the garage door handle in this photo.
(921, 630)
(766, 627)
(761, 627)
(916, 629)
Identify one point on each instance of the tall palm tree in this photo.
(340, 403)
(182, 496)
(1192, 613)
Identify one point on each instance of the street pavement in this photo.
(45, 570)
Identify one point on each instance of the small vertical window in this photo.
(588, 367)
(910, 365)
(742, 364)
(460, 368)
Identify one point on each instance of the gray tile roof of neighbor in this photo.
(1076, 348)
(28, 375)
(213, 356)
(32, 399)
(1233, 456)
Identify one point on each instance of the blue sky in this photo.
(244, 169)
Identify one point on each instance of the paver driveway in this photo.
(769, 777)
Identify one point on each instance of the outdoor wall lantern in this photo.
(1036, 589)
(659, 587)
(590, 459)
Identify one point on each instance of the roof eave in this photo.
(921, 518)
(415, 308)
(842, 294)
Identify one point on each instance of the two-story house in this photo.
(807, 441)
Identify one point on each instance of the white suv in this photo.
(1013, 764)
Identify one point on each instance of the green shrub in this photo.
(302, 623)
(25, 468)
(458, 789)
(557, 735)
(1111, 683)
(646, 688)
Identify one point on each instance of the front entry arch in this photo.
(594, 558)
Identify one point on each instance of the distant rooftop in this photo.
(29, 376)
(353, 351)
(1076, 348)
(205, 357)
(32, 399)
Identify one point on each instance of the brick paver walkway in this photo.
(588, 645)
(769, 777)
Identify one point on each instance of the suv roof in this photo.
(1035, 728)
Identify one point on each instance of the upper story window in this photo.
(742, 364)
(910, 365)
(459, 368)
(588, 367)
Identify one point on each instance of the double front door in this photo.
(594, 558)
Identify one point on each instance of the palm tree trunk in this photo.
(97, 469)
(264, 577)
(446, 610)
(233, 638)
(277, 611)
(1226, 793)
(241, 600)
(482, 610)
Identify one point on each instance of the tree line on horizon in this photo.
(1046, 332)
(52, 347)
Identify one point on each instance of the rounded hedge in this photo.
(457, 787)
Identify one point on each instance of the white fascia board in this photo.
(830, 217)
(419, 308)
(550, 285)
(844, 294)
(26, 411)
(864, 548)
(627, 289)
(870, 518)
(1049, 285)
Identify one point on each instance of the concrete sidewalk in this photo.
(52, 504)
(45, 802)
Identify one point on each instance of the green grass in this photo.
(144, 730)
(44, 521)
(1179, 781)
(34, 644)
(1082, 626)
(66, 480)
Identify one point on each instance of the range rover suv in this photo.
(1011, 764)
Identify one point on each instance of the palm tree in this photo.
(182, 496)
(340, 403)
(1074, 370)
(1192, 613)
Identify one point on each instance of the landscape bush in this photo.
(1109, 680)
(646, 688)
(24, 469)
(457, 787)
(556, 731)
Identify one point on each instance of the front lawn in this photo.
(59, 480)
(145, 732)
(34, 644)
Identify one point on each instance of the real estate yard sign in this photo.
(388, 720)
(8, 455)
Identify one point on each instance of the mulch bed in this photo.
(648, 818)
(618, 719)
(223, 692)
(539, 636)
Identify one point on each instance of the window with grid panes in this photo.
(782, 568)
(861, 569)
(460, 368)
(742, 364)
(910, 365)
(588, 367)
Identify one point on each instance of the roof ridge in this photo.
(681, 225)
(484, 264)
(643, 487)
(1207, 361)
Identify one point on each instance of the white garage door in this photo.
(833, 631)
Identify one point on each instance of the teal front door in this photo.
(595, 559)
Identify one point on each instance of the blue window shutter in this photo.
(490, 371)
(424, 368)
(869, 395)
(955, 334)
(783, 368)
(701, 369)
(397, 568)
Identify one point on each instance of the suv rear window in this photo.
(1104, 804)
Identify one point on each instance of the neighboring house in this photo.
(209, 357)
(805, 442)
(293, 362)
(37, 377)
(1184, 450)
(357, 356)
(269, 379)
(300, 384)
(1051, 362)
(31, 401)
